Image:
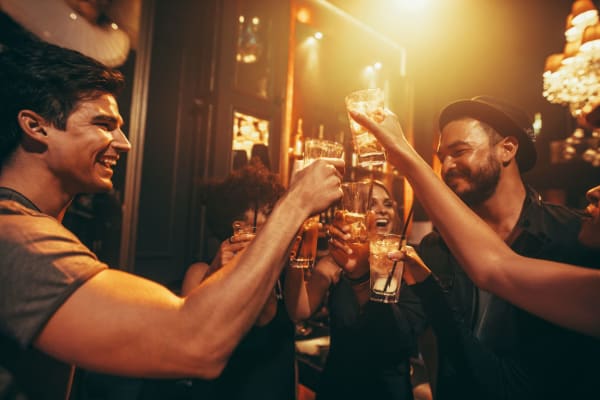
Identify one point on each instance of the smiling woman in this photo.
(384, 215)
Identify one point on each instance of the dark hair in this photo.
(226, 200)
(49, 80)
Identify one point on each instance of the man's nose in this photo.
(447, 166)
(120, 142)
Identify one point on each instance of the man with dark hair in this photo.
(498, 351)
(61, 135)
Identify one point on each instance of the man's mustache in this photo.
(456, 174)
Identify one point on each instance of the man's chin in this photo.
(101, 187)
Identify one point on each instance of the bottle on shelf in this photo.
(299, 141)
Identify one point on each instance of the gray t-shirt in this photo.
(41, 265)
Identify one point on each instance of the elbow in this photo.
(490, 269)
(209, 366)
(208, 356)
(297, 313)
(212, 370)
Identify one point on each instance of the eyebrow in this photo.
(454, 145)
(108, 118)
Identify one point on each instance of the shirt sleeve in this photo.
(42, 264)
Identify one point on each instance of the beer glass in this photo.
(304, 248)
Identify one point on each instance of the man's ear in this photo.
(34, 134)
(32, 124)
(508, 149)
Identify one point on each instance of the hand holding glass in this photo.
(386, 274)
(355, 204)
(304, 248)
(370, 102)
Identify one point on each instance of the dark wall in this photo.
(180, 100)
(195, 86)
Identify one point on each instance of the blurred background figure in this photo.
(261, 151)
(263, 365)
(240, 159)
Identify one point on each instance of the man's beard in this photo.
(483, 182)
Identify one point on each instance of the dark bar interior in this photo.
(220, 97)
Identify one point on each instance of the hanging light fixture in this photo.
(572, 78)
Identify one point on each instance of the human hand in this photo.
(386, 127)
(229, 248)
(317, 186)
(353, 257)
(415, 270)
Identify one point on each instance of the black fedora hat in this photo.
(505, 118)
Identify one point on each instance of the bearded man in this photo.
(486, 347)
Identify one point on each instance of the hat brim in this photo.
(497, 119)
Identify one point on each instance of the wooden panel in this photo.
(179, 103)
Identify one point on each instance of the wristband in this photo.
(357, 281)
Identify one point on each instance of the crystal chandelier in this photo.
(572, 79)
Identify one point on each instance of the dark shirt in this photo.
(492, 349)
(368, 357)
(261, 367)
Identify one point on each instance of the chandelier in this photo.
(572, 79)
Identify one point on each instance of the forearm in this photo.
(303, 298)
(295, 295)
(568, 296)
(136, 327)
(237, 292)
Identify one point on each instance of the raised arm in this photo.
(304, 297)
(566, 295)
(127, 325)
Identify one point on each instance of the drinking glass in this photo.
(386, 274)
(370, 102)
(355, 204)
(304, 248)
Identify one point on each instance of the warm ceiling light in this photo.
(303, 15)
(318, 35)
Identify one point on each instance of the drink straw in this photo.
(402, 243)
(370, 194)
